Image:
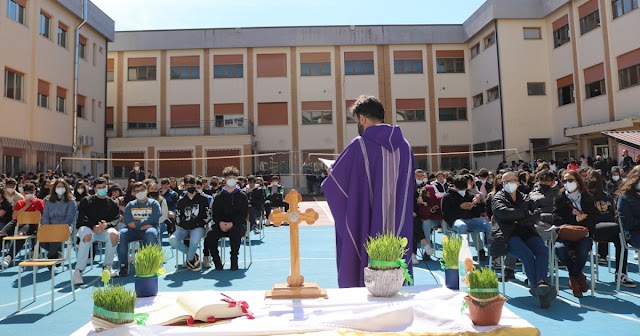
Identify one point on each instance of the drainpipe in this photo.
(504, 145)
(85, 11)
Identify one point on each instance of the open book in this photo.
(196, 307)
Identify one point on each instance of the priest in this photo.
(370, 190)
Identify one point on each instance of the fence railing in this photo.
(180, 128)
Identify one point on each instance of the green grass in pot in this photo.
(386, 247)
(484, 278)
(450, 249)
(149, 260)
(115, 299)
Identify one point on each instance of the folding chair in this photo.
(625, 248)
(48, 233)
(246, 241)
(132, 248)
(25, 218)
(557, 273)
(184, 255)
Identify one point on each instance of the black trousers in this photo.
(268, 205)
(9, 230)
(610, 232)
(418, 233)
(211, 241)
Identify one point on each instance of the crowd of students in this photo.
(98, 210)
(517, 209)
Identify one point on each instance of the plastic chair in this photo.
(49, 233)
(625, 248)
(184, 255)
(557, 273)
(25, 218)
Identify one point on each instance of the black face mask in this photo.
(191, 190)
(214, 185)
(154, 194)
(498, 186)
(591, 185)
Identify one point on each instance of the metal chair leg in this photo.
(504, 290)
(35, 271)
(52, 287)
(593, 279)
(19, 288)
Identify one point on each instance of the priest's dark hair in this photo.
(370, 107)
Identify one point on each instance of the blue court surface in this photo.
(609, 312)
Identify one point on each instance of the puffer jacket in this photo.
(543, 197)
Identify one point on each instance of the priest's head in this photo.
(367, 111)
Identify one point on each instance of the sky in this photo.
(181, 14)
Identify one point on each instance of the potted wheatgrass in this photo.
(113, 305)
(450, 249)
(148, 265)
(484, 301)
(387, 268)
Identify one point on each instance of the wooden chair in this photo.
(25, 218)
(48, 233)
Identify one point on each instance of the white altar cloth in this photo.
(423, 310)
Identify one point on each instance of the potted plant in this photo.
(484, 300)
(450, 249)
(387, 268)
(113, 306)
(148, 265)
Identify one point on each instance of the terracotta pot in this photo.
(489, 315)
(383, 283)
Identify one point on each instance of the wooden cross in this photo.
(295, 288)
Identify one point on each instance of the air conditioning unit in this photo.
(85, 141)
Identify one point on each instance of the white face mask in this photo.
(141, 195)
(30, 196)
(571, 186)
(419, 182)
(21, 190)
(615, 178)
(510, 187)
(462, 192)
(10, 190)
(61, 191)
(80, 190)
(231, 182)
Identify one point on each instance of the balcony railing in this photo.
(141, 129)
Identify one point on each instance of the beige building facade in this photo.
(37, 59)
(546, 76)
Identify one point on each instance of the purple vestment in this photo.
(370, 190)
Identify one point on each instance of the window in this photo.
(621, 7)
(62, 36)
(475, 50)
(536, 89)
(82, 50)
(229, 120)
(110, 74)
(454, 162)
(629, 77)
(539, 143)
(561, 36)
(362, 67)
(493, 145)
(493, 94)
(450, 65)
(565, 95)
(228, 71)
(407, 66)
(478, 100)
(95, 54)
(317, 117)
(144, 72)
(141, 125)
(13, 84)
(410, 115)
(277, 164)
(531, 33)
(80, 109)
(480, 147)
(490, 40)
(590, 22)
(43, 101)
(315, 69)
(60, 103)
(15, 11)
(595, 89)
(45, 23)
(185, 72)
(452, 113)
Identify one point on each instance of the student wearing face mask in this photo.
(575, 206)
(142, 220)
(615, 181)
(427, 208)
(80, 192)
(6, 210)
(192, 216)
(154, 193)
(12, 194)
(200, 190)
(256, 193)
(483, 184)
(230, 211)
(59, 208)
(543, 194)
(29, 204)
(275, 197)
(136, 174)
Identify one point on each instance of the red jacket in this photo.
(432, 210)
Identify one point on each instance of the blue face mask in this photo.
(102, 192)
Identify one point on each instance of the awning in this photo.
(571, 145)
(631, 137)
(628, 123)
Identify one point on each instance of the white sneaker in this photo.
(6, 262)
(206, 262)
(428, 250)
(111, 271)
(414, 259)
(77, 278)
(635, 255)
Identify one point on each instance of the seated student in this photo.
(257, 196)
(142, 220)
(543, 194)
(11, 194)
(98, 217)
(28, 204)
(59, 208)
(615, 181)
(607, 228)
(172, 201)
(463, 212)
(575, 206)
(514, 213)
(275, 197)
(629, 206)
(230, 210)
(482, 184)
(428, 210)
(154, 193)
(441, 184)
(192, 217)
(6, 209)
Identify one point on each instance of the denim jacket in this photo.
(59, 212)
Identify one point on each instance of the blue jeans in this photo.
(534, 255)
(127, 235)
(579, 250)
(478, 224)
(428, 225)
(177, 241)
